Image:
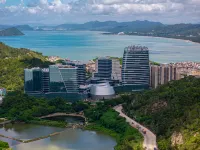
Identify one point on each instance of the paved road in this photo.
(149, 138)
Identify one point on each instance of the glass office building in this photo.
(135, 68)
(63, 78)
(45, 80)
(33, 80)
(55, 81)
(81, 71)
(104, 68)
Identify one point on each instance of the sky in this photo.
(53, 12)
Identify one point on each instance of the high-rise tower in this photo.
(135, 68)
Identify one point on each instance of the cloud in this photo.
(158, 10)
(2, 1)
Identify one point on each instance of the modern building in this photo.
(45, 80)
(81, 70)
(102, 91)
(135, 68)
(155, 76)
(103, 68)
(107, 69)
(116, 70)
(163, 74)
(55, 81)
(33, 80)
(63, 78)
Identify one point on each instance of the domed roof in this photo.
(102, 89)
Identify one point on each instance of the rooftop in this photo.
(31, 69)
(75, 62)
(103, 58)
(136, 48)
(64, 66)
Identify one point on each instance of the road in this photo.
(149, 138)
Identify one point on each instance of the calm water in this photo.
(68, 119)
(70, 139)
(85, 45)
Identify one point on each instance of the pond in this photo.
(69, 139)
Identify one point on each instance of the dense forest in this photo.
(17, 106)
(172, 111)
(13, 61)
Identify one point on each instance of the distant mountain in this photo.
(4, 27)
(10, 32)
(24, 28)
(179, 29)
(189, 32)
(19, 27)
(112, 26)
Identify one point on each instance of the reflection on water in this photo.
(68, 119)
(27, 131)
(69, 139)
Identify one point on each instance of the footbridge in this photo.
(80, 115)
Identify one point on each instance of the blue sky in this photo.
(79, 11)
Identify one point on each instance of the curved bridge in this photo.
(64, 114)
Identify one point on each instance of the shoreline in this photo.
(109, 33)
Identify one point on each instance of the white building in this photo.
(116, 70)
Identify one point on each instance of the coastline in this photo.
(109, 33)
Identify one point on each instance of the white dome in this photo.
(103, 89)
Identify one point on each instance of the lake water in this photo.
(86, 45)
(69, 139)
(68, 119)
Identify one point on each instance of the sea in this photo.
(86, 45)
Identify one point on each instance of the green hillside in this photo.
(172, 111)
(13, 61)
(11, 32)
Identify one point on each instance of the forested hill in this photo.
(112, 26)
(11, 32)
(12, 64)
(10, 52)
(172, 111)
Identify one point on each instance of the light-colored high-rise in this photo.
(116, 70)
(163, 74)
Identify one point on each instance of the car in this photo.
(144, 131)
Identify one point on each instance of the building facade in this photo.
(135, 68)
(81, 71)
(163, 74)
(63, 79)
(103, 68)
(107, 69)
(116, 70)
(55, 81)
(33, 80)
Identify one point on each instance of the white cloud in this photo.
(162, 10)
(2, 1)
